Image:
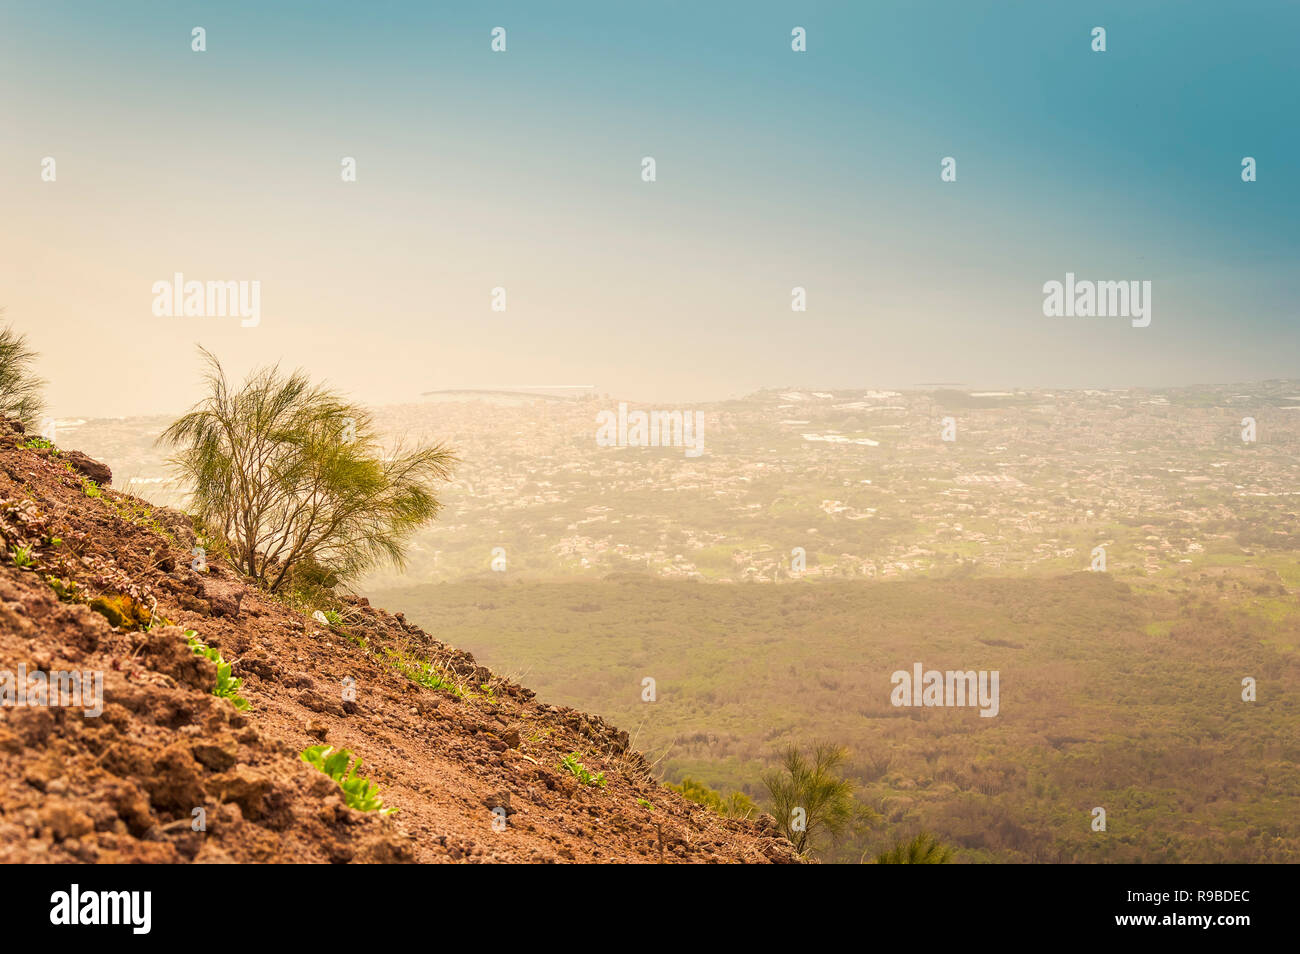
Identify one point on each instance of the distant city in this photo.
(798, 484)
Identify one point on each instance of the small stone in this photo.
(93, 469)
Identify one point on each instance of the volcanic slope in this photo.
(95, 581)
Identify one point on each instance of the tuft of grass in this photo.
(38, 443)
(22, 556)
(227, 686)
(335, 621)
(423, 673)
(141, 515)
(359, 792)
(579, 771)
(90, 488)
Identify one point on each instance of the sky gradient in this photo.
(522, 169)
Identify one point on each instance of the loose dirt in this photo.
(167, 757)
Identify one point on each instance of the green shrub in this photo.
(20, 389)
(812, 802)
(735, 805)
(294, 477)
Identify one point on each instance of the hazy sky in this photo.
(522, 169)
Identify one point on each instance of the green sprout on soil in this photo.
(66, 590)
(359, 793)
(36, 443)
(579, 771)
(227, 685)
(90, 487)
(645, 804)
(22, 556)
(156, 618)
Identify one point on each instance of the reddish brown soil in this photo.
(122, 787)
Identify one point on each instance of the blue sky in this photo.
(775, 169)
